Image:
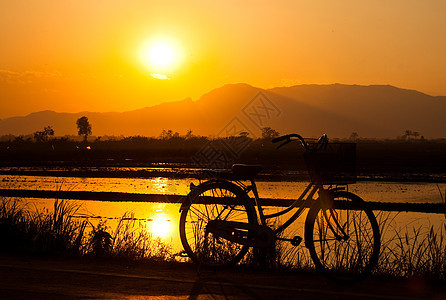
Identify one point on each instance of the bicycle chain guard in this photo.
(242, 233)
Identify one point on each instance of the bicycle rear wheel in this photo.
(343, 240)
(215, 200)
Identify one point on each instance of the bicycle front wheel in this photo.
(215, 200)
(344, 239)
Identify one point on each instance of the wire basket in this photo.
(333, 164)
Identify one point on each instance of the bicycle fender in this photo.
(193, 189)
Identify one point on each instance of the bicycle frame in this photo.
(341, 232)
(305, 200)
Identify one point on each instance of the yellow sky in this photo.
(78, 55)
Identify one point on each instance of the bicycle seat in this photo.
(246, 170)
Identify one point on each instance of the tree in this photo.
(83, 127)
(169, 134)
(408, 134)
(269, 133)
(354, 136)
(42, 136)
(166, 134)
(189, 134)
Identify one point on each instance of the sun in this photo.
(160, 56)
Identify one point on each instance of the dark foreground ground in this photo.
(36, 278)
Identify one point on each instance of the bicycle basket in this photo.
(334, 164)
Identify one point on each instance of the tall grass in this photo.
(60, 232)
(443, 199)
(410, 251)
(406, 252)
(415, 251)
(27, 231)
(132, 240)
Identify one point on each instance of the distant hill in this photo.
(338, 110)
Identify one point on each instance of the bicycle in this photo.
(219, 222)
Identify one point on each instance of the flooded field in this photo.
(161, 219)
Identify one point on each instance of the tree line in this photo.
(84, 130)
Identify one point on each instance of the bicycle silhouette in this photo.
(219, 221)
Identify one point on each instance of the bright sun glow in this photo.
(160, 56)
(160, 226)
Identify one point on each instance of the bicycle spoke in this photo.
(343, 243)
(200, 243)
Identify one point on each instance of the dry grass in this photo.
(410, 251)
(132, 240)
(415, 251)
(27, 231)
(59, 232)
(406, 252)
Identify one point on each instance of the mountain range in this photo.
(374, 111)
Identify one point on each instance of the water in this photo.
(399, 192)
(161, 219)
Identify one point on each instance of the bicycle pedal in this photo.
(295, 241)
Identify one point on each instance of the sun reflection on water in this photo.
(159, 184)
(160, 226)
(160, 221)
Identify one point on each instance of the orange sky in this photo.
(78, 55)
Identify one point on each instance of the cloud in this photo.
(159, 76)
(25, 76)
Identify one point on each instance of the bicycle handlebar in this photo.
(321, 142)
(289, 138)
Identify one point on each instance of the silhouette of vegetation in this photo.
(409, 134)
(83, 127)
(42, 136)
(399, 159)
(411, 252)
(59, 232)
(33, 232)
(189, 134)
(169, 134)
(101, 242)
(354, 136)
(269, 133)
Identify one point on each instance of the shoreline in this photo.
(195, 173)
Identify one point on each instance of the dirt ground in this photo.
(45, 278)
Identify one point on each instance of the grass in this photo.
(33, 232)
(406, 252)
(415, 252)
(132, 240)
(60, 233)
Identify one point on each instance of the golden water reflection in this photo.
(160, 223)
(161, 220)
(161, 227)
